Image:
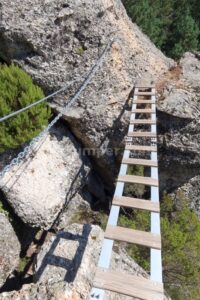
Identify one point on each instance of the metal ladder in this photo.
(114, 281)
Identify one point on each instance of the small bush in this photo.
(138, 219)
(80, 51)
(17, 91)
(135, 190)
(3, 210)
(23, 264)
(181, 249)
(180, 245)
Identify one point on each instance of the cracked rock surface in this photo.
(38, 187)
(9, 249)
(58, 41)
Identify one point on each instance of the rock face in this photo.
(9, 249)
(190, 191)
(179, 125)
(190, 69)
(58, 291)
(57, 41)
(38, 188)
(63, 274)
(55, 263)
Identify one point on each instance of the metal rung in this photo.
(138, 179)
(144, 111)
(128, 284)
(136, 203)
(141, 148)
(142, 134)
(141, 162)
(133, 236)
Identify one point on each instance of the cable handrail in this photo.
(28, 149)
(38, 101)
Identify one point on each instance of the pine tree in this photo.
(185, 36)
(174, 26)
(17, 91)
(145, 13)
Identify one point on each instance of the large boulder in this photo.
(179, 131)
(66, 264)
(56, 264)
(179, 103)
(57, 41)
(38, 187)
(9, 249)
(190, 191)
(190, 63)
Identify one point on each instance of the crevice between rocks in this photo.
(31, 239)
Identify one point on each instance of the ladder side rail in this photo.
(155, 257)
(107, 246)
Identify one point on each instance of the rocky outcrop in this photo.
(190, 69)
(9, 249)
(38, 188)
(64, 274)
(57, 291)
(55, 263)
(179, 126)
(57, 41)
(190, 193)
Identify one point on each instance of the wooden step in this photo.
(136, 203)
(143, 121)
(127, 284)
(141, 93)
(141, 148)
(138, 179)
(144, 102)
(142, 134)
(143, 111)
(140, 162)
(133, 236)
(143, 85)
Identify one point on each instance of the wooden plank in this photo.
(138, 179)
(141, 93)
(143, 121)
(142, 134)
(128, 284)
(136, 203)
(133, 236)
(143, 111)
(144, 102)
(143, 85)
(141, 148)
(141, 162)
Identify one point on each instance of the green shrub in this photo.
(135, 190)
(180, 245)
(181, 249)
(3, 210)
(80, 51)
(83, 216)
(23, 264)
(137, 219)
(174, 26)
(17, 91)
